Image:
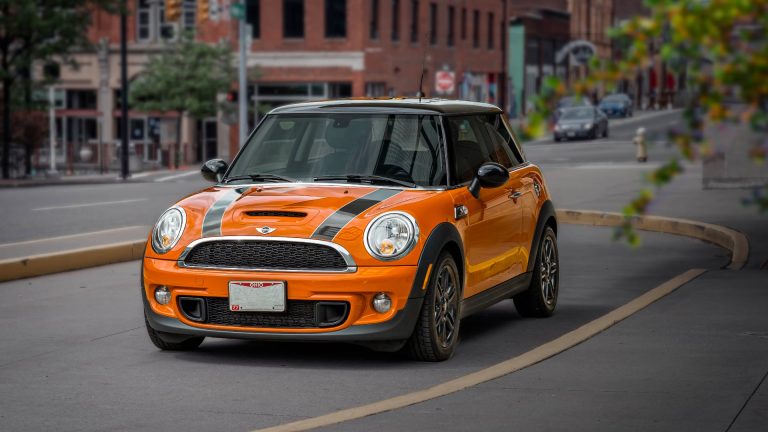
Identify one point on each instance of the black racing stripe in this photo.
(335, 222)
(215, 214)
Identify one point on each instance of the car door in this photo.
(493, 220)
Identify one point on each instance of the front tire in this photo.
(437, 331)
(180, 345)
(540, 299)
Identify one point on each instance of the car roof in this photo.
(403, 105)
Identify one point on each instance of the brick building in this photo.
(299, 50)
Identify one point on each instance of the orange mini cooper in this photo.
(378, 222)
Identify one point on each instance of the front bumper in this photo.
(356, 289)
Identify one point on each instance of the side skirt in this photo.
(491, 296)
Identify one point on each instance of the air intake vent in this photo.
(275, 213)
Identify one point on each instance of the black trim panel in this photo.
(547, 211)
(491, 296)
(443, 234)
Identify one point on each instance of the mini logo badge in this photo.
(266, 230)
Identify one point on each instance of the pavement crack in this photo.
(746, 402)
(115, 334)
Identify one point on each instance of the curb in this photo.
(39, 265)
(727, 238)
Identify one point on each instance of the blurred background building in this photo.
(496, 51)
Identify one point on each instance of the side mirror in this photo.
(214, 170)
(489, 175)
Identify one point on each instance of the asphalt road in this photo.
(75, 354)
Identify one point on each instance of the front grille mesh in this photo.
(298, 314)
(277, 255)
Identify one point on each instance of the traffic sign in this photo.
(445, 81)
(237, 11)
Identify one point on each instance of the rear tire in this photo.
(540, 299)
(437, 331)
(183, 345)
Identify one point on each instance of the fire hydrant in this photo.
(639, 140)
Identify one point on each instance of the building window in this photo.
(375, 89)
(490, 30)
(335, 18)
(143, 14)
(293, 18)
(463, 23)
(414, 21)
(151, 24)
(451, 13)
(395, 20)
(253, 17)
(374, 29)
(81, 99)
(476, 29)
(433, 23)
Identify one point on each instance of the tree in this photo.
(722, 48)
(34, 31)
(185, 79)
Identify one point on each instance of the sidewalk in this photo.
(87, 179)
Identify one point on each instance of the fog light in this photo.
(162, 294)
(382, 303)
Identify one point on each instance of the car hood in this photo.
(337, 213)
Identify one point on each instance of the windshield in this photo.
(572, 101)
(613, 99)
(578, 114)
(354, 147)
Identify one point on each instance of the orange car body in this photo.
(493, 238)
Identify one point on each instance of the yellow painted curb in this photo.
(540, 353)
(736, 242)
(38, 265)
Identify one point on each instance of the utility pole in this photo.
(242, 94)
(52, 129)
(124, 173)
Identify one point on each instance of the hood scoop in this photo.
(275, 213)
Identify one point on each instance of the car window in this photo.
(501, 140)
(304, 147)
(578, 114)
(471, 147)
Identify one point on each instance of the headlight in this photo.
(558, 127)
(168, 230)
(587, 125)
(391, 235)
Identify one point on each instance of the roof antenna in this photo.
(423, 61)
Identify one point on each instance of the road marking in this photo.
(536, 355)
(69, 236)
(89, 204)
(175, 176)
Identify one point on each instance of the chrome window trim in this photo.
(351, 265)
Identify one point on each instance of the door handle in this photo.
(514, 195)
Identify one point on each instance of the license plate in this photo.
(570, 134)
(257, 296)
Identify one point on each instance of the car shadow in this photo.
(492, 335)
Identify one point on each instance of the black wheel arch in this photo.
(546, 218)
(444, 236)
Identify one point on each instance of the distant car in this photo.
(582, 122)
(571, 102)
(378, 222)
(616, 105)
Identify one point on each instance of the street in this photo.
(76, 355)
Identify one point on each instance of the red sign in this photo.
(445, 81)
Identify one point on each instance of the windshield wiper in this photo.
(365, 178)
(260, 177)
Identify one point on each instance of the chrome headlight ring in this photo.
(168, 229)
(391, 236)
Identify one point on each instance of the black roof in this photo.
(387, 105)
